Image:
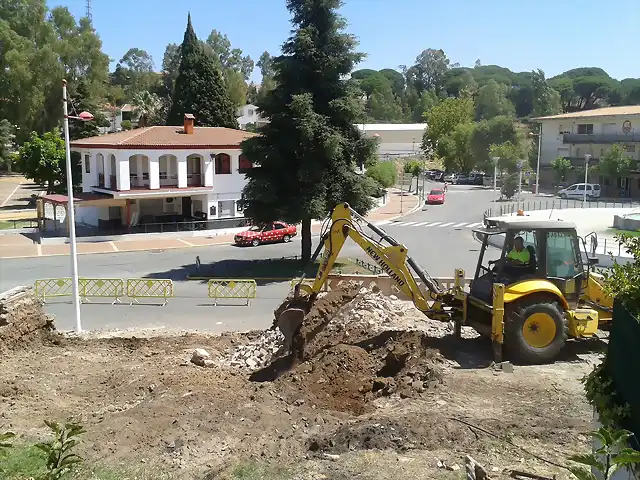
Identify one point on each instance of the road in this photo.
(438, 237)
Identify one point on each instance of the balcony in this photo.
(139, 182)
(602, 138)
(168, 180)
(195, 180)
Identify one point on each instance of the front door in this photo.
(564, 263)
(186, 207)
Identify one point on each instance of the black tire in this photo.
(563, 195)
(516, 322)
(255, 242)
(286, 239)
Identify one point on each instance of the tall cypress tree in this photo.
(306, 156)
(200, 88)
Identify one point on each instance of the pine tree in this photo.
(306, 156)
(200, 88)
(80, 100)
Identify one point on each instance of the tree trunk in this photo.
(306, 240)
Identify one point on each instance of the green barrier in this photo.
(53, 287)
(228, 288)
(101, 288)
(149, 288)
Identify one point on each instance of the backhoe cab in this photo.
(538, 292)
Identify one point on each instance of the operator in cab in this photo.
(518, 254)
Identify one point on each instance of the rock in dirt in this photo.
(199, 356)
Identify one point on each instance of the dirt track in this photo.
(384, 401)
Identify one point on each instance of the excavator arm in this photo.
(393, 259)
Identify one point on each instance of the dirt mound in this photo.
(347, 353)
(23, 322)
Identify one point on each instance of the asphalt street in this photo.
(438, 249)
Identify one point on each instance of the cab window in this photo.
(562, 257)
(529, 240)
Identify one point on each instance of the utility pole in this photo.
(88, 13)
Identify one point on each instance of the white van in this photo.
(576, 191)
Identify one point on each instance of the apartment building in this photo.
(591, 132)
(164, 174)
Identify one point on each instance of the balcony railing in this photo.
(167, 180)
(195, 180)
(604, 138)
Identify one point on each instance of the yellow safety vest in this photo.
(524, 256)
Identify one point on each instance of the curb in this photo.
(404, 214)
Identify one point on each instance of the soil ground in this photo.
(360, 403)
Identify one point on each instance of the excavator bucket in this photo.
(288, 322)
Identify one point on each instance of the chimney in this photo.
(189, 120)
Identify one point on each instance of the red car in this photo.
(266, 233)
(435, 197)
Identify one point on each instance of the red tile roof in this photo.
(167, 138)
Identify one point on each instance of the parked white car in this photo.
(450, 178)
(576, 191)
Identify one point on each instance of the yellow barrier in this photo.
(149, 288)
(232, 288)
(53, 287)
(102, 288)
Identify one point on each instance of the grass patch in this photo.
(252, 470)
(25, 461)
(11, 224)
(628, 233)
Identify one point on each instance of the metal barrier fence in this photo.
(376, 270)
(53, 287)
(149, 288)
(554, 204)
(101, 288)
(227, 288)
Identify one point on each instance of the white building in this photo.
(249, 115)
(592, 132)
(163, 175)
(116, 115)
(395, 139)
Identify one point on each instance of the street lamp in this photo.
(586, 176)
(495, 176)
(71, 217)
(539, 135)
(520, 165)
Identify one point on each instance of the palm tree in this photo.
(147, 106)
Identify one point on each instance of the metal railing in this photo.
(512, 207)
(601, 137)
(195, 179)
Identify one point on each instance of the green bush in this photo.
(509, 185)
(126, 125)
(384, 173)
(373, 188)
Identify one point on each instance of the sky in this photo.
(520, 35)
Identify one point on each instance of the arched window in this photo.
(223, 164)
(244, 164)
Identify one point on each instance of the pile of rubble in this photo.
(257, 353)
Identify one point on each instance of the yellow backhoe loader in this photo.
(531, 308)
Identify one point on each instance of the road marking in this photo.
(433, 224)
(383, 222)
(39, 248)
(446, 224)
(397, 224)
(408, 224)
(421, 224)
(459, 225)
(113, 245)
(473, 225)
(185, 242)
(10, 195)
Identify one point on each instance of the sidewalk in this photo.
(19, 246)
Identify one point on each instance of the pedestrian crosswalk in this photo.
(441, 224)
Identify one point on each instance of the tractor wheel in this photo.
(536, 330)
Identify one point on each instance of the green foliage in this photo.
(149, 108)
(623, 280)
(60, 458)
(80, 101)
(600, 393)
(200, 88)
(5, 445)
(561, 167)
(509, 154)
(546, 100)
(385, 173)
(126, 124)
(7, 138)
(42, 159)
(612, 455)
(492, 101)
(306, 156)
(442, 119)
(456, 150)
(413, 167)
(509, 185)
(496, 131)
(615, 163)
